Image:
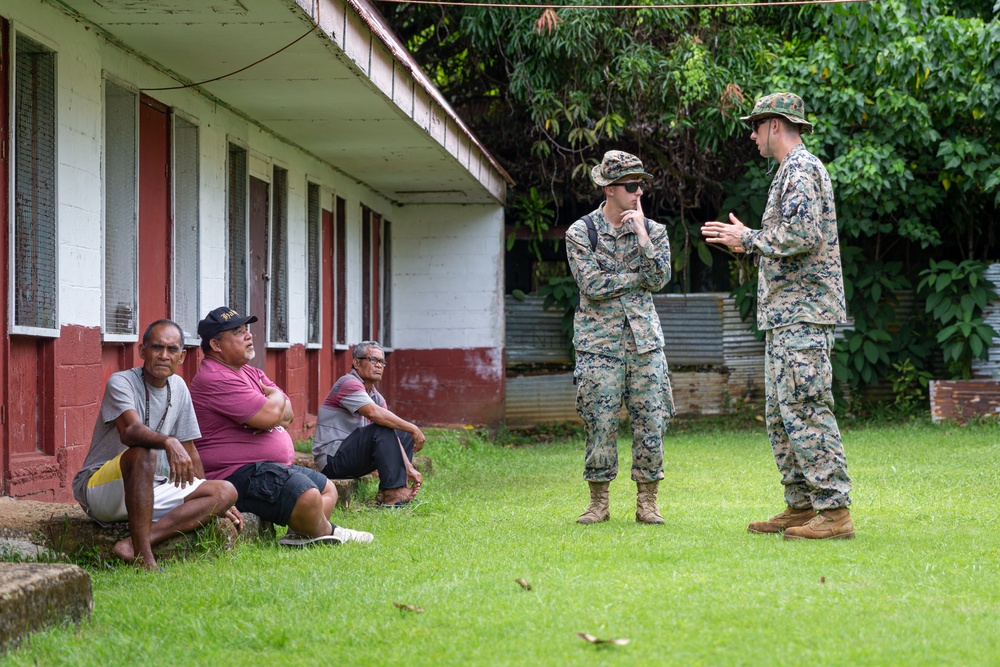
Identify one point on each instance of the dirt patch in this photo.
(24, 518)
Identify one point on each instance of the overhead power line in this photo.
(698, 5)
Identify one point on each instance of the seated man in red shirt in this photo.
(356, 432)
(243, 416)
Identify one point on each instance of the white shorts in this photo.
(106, 494)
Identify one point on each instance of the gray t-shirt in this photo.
(126, 390)
(338, 416)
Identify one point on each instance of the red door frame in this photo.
(155, 228)
(4, 255)
(155, 231)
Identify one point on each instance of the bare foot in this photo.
(124, 550)
(401, 495)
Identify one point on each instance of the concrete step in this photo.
(32, 526)
(34, 596)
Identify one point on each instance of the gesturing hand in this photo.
(727, 234)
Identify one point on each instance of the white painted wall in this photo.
(447, 288)
(447, 291)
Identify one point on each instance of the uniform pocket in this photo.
(802, 364)
(811, 375)
(267, 482)
(605, 258)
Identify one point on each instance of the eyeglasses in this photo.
(631, 187)
(760, 121)
(378, 361)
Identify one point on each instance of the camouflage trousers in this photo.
(640, 381)
(803, 430)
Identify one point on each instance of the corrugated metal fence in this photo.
(986, 369)
(713, 358)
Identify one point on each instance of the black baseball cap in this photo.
(222, 319)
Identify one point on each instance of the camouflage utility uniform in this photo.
(800, 298)
(619, 344)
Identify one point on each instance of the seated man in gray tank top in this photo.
(356, 433)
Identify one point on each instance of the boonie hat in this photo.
(615, 166)
(222, 319)
(787, 105)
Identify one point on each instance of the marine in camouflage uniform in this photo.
(617, 336)
(800, 297)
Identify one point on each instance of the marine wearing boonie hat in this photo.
(615, 166)
(787, 105)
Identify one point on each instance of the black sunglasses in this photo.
(631, 187)
(760, 121)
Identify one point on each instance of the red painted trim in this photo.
(446, 387)
(429, 387)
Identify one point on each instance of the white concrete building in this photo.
(283, 157)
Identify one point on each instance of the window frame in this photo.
(115, 337)
(277, 218)
(375, 268)
(231, 145)
(339, 335)
(16, 33)
(314, 264)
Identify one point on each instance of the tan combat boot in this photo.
(597, 511)
(646, 510)
(789, 518)
(827, 525)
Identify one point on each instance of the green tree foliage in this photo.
(554, 91)
(904, 96)
(903, 93)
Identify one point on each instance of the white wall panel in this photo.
(440, 300)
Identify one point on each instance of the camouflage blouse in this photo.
(617, 280)
(800, 278)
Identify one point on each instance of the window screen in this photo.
(186, 227)
(121, 212)
(34, 244)
(386, 283)
(340, 271)
(238, 208)
(371, 275)
(314, 267)
(278, 289)
(367, 333)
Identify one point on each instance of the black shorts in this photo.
(270, 490)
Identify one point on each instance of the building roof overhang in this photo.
(339, 85)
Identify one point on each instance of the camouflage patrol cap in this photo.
(787, 105)
(615, 166)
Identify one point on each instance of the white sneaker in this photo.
(348, 535)
(292, 539)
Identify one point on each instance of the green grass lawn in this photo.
(919, 585)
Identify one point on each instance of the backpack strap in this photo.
(591, 231)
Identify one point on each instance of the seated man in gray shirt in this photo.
(142, 465)
(356, 433)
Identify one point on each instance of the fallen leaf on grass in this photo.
(822, 580)
(594, 640)
(408, 607)
(523, 584)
